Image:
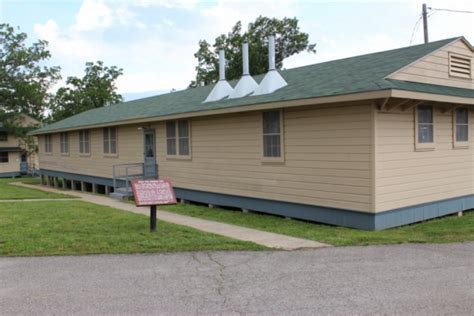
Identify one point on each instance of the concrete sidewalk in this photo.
(267, 239)
(38, 200)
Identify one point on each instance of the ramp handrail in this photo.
(126, 175)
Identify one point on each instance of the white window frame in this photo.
(177, 137)
(419, 146)
(48, 144)
(456, 143)
(109, 140)
(264, 158)
(85, 142)
(64, 143)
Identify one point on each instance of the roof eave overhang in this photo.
(368, 95)
(10, 149)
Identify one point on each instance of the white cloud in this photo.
(68, 46)
(160, 56)
(93, 14)
(225, 13)
(179, 4)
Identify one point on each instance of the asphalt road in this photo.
(390, 280)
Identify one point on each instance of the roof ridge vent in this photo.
(272, 80)
(222, 88)
(246, 84)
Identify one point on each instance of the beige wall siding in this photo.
(130, 150)
(434, 68)
(407, 177)
(327, 157)
(11, 142)
(13, 164)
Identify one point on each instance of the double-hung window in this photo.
(110, 140)
(424, 127)
(272, 135)
(178, 138)
(64, 143)
(48, 143)
(461, 127)
(84, 142)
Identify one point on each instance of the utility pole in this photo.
(424, 13)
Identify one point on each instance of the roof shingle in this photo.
(345, 76)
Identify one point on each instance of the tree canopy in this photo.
(24, 79)
(289, 40)
(96, 89)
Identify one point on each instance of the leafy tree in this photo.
(289, 40)
(24, 82)
(14, 124)
(96, 89)
(24, 79)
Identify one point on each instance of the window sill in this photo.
(425, 146)
(48, 154)
(425, 149)
(273, 160)
(177, 157)
(110, 155)
(85, 155)
(460, 145)
(65, 154)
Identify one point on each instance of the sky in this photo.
(154, 41)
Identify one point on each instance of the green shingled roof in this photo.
(345, 76)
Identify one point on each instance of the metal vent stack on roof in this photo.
(246, 84)
(222, 89)
(272, 80)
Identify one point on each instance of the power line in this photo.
(417, 24)
(450, 10)
(431, 13)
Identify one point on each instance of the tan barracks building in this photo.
(371, 142)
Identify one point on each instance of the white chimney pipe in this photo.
(271, 52)
(222, 89)
(245, 59)
(272, 80)
(221, 65)
(246, 84)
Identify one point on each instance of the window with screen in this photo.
(84, 142)
(110, 140)
(48, 143)
(178, 138)
(64, 143)
(425, 124)
(461, 125)
(272, 140)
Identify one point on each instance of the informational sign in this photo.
(153, 192)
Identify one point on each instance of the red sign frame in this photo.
(153, 195)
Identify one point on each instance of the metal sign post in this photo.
(153, 218)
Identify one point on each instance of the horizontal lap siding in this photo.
(327, 157)
(13, 164)
(406, 177)
(130, 150)
(434, 68)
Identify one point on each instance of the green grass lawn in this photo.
(76, 227)
(11, 192)
(442, 230)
